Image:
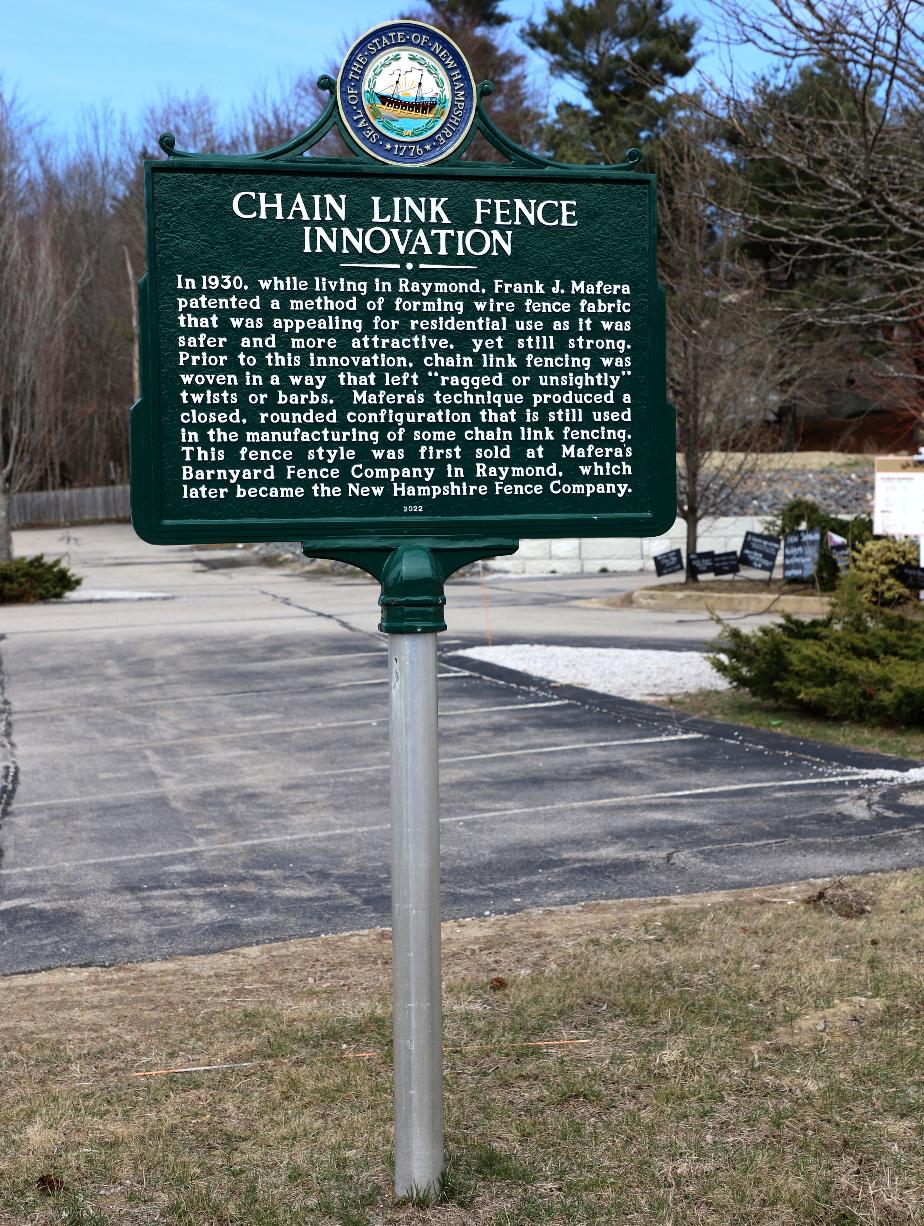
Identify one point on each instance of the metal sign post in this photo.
(415, 911)
(412, 601)
(407, 359)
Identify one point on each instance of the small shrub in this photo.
(873, 568)
(757, 660)
(854, 664)
(28, 580)
(803, 511)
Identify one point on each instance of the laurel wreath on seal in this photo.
(395, 127)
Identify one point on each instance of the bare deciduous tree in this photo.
(83, 185)
(844, 189)
(833, 151)
(728, 366)
(34, 304)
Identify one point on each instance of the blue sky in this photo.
(63, 57)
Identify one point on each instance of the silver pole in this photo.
(415, 906)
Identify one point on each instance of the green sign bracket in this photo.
(412, 574)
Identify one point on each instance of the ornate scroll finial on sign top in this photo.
(406, 97)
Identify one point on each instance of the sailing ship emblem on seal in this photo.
(406, 93)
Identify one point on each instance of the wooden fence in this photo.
(46, 508)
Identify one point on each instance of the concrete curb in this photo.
(714, 602)
(9, 769)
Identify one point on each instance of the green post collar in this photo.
(412, 574)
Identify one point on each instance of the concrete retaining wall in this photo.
(588, 555)
(569, 556)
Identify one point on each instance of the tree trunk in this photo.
(133, 300)
(6, 530)
(692, 530)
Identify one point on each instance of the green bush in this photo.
(873, 568)
(27, 580)
(853, 664)
(803, 511)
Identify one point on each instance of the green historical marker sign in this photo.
(407, 360)
(343, 349)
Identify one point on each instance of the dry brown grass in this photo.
(729, 1059)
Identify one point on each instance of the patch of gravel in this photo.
(89, 595)
(609, 670)
(839, 491)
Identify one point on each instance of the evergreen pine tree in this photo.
(477, 12)
(475, 26)
(620, 54)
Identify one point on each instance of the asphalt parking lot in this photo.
(209, 769)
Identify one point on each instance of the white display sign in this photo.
(898, 507)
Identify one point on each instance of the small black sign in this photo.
(668, 563)
(702, 563)
(726, 563)
(912, 577)
(800, 555)
(759, 551)
(839, 549)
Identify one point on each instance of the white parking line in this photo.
(357, 770)
(512, 753)
(346, 685)
(352, 831)
(208, 696)
(250, 733)
(509, 706)
(319, 727)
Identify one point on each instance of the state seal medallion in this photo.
(406, 94)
